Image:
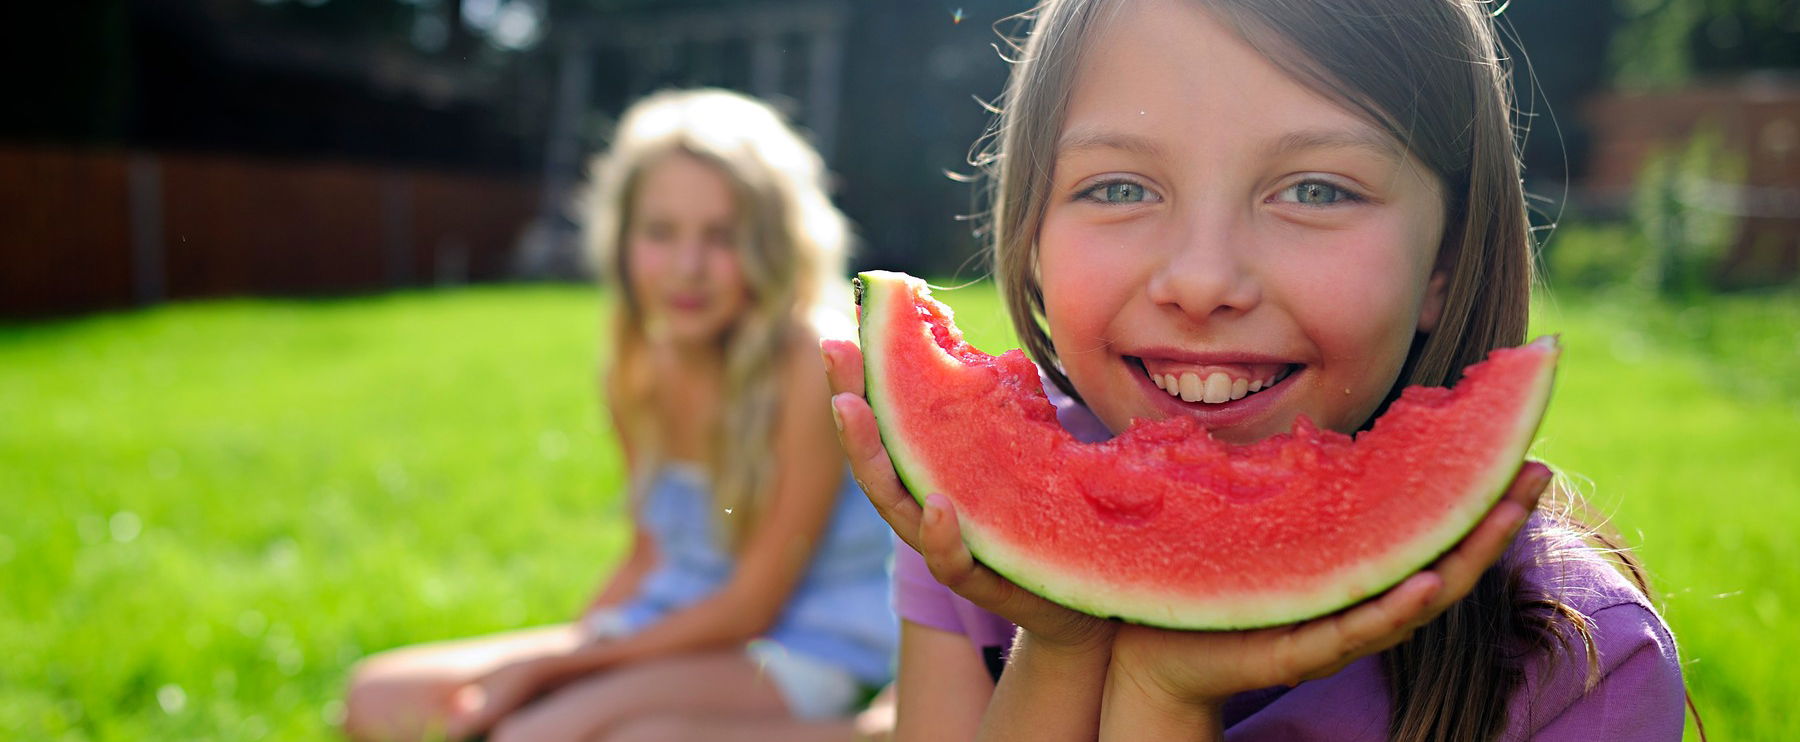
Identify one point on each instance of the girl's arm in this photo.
(805, 485)
(1137, 707)
(1049, 692)
(1051, 687)
(623, 582)
(943, 686)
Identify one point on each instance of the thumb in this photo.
(468, 711)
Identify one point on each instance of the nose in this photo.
(1205, 274)
(690, 257)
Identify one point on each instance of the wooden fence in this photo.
(86, 230)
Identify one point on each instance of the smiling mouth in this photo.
(1213, 383)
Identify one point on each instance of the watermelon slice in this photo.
(1163, 525)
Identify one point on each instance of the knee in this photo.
(364, 695)
(513, 728)
(379, 706)
(533, 725)
(655, 729)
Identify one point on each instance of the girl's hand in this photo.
(481, 704)
(932, 530)
(1199, 670)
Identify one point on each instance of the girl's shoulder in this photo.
(1613, 672)
(1557, 559)
(800, 367)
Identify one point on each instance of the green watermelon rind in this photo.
(1267, 608)
(874, 290)
(1158, 608)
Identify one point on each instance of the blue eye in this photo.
(1317, 193)
(1117, 192)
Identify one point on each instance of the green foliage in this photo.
(1652, 50)
(1746, 345)
(1681, 228)
(1680, 423)
(1664, 43)
(1595, 257)
(1682, 207)
(208, 512)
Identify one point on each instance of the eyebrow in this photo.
(1364, 139)
(1368, 140)
(1087, 139)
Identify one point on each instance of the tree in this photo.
(1666, 42)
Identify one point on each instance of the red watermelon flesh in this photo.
(1163, 525)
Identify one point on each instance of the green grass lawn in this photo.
(207, 512)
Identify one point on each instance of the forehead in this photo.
(1160, 77)
(679, 182)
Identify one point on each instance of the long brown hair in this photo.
(1430, 74)
(792, 245)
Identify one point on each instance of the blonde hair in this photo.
(1431, 74)
(792, 245)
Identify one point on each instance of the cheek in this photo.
(1081, 268)
(727, 271)
(1359, 304)
(642, 262)
(1367, 284)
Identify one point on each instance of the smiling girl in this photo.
(753, 603)
(1245, 211)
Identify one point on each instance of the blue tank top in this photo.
(839, 612)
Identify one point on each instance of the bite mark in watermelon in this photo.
(1163, 525)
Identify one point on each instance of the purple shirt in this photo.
(1638, 693)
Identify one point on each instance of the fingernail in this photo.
(1545, 476)
(934, 508)
(837, 418)
(1431, 593)
(1518, 518)
(825, 353)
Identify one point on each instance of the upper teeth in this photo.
(1214, 388)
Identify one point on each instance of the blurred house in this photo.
(1758, 117)
(791, 54)
(166, 149)
(890, 92)
(189, 148)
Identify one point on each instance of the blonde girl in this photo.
(1318, 199)
(754, 598)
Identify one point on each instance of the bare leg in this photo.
(406, 693)
(874, 724)
(730, 729)
(724, 683)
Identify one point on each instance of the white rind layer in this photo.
(876, 291)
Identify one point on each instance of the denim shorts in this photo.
(812, 688)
